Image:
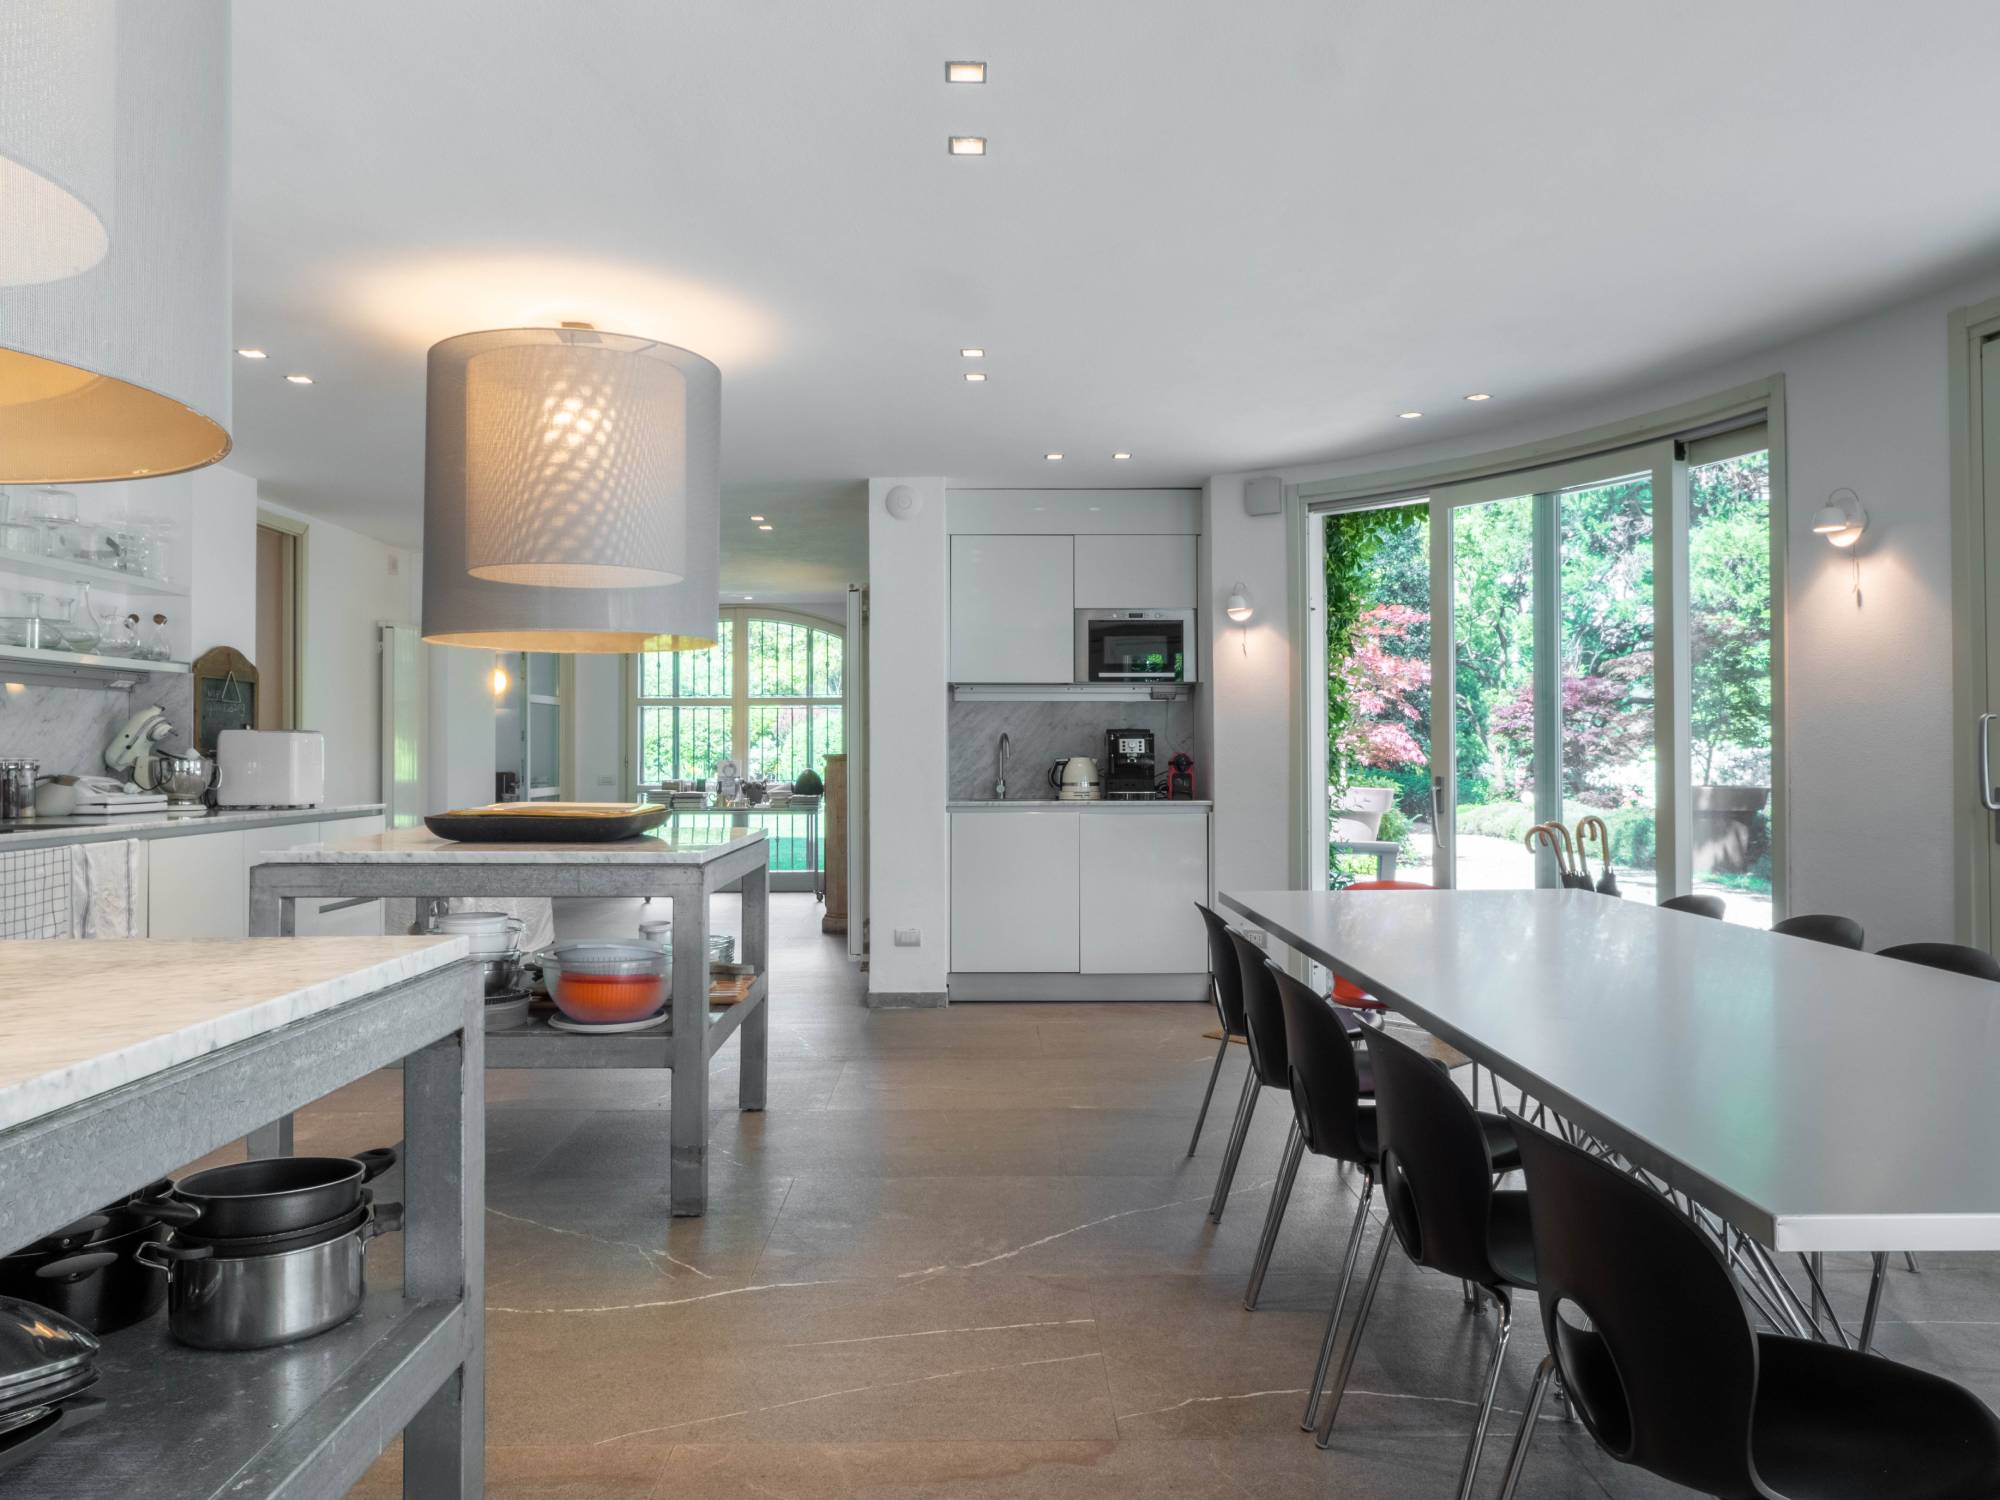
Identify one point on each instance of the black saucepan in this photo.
(275, 1195)
(85, 1270)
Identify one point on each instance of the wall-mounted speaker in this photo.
(1263, 497)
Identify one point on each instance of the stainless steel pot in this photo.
(256, 1301)
(184, 775)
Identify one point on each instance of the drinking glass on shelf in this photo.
(102, 613)
(78, 631)
(160, 533)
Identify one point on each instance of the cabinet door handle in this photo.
(1986, 762)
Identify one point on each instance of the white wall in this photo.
(594, 759)
(223, 561)
(348, 585)
(459, 740)
(1870, 729)
(909, 573)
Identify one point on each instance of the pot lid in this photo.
(36, 1343)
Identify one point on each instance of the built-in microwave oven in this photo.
(1135, 645)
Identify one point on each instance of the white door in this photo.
(1014, 891)
(1142, 873)
(1013, 609)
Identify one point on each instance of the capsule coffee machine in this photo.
(1128, 757)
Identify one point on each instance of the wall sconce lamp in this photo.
(1240, 609)
(1841, 521)
(501, 681)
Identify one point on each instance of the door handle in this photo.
(1986, 796)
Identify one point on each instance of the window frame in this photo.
(1744, 418)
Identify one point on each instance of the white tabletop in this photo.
(80, 1018)
(1817, 1098)
(420, 846)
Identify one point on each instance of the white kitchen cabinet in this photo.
(1014, 892)
(1135, 572)
(1013, 603)
(1141, 874)
(196, 886)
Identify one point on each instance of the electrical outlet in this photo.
(607, 781)
(909, 937)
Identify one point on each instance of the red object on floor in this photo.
(1353, 996)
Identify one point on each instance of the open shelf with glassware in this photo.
(70, 668)
(66, 570)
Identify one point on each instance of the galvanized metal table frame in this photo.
(303, 1421)
(291, 876)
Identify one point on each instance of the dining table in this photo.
(684, 867)
(1815, 1098)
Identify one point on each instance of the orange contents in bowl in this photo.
(606, 998)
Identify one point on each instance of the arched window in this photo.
(767, 695)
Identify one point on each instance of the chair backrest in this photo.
(1343, 991)
(1699, 906)
(1437, 1178)
(1222, 971)
(1976, 962)
(1325, 1080)
(1665, 1377)
(1822, 927)
(1264, 1017)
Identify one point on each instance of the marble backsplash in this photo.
(1042, 733)
(67, 728)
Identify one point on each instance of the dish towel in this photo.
(104, 889)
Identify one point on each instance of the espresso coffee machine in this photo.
(1128, 758)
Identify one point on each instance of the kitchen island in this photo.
(123, 1061)
(680, 865)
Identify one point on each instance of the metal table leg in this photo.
(688, 1174)
(271, 915)
(444, 1184)
(756, 1029)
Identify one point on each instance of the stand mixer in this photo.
(154, 774)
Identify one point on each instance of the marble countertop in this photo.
(1106, 805)
(81, 1017)
(421, 846)
(43, 833)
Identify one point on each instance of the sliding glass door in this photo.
(1546, 582)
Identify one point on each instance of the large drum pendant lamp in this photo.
(114, 239)
(572, 493)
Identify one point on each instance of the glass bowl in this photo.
(607, 983)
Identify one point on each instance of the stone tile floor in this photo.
(964, 1254)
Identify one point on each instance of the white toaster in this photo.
(270, 768)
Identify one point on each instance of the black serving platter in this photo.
(548, 822)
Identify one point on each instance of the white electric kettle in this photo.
(1076, 780)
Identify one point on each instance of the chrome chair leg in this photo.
(1209, 1093)
(1874, 1301)
(1245, 1107)
(1325, 1438)
(1326, 1344)
(1910, 1262)
(1281, 1195)
(1518, 1459)
(1470, 1473)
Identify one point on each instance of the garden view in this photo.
(1380, 712)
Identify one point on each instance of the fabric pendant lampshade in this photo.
(114, 239)
(572, 493)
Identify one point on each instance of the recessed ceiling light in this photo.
(1054, 458)
(972, 354)
(965, 72)
(968, 145)
(765, 527)
(975, 376)
(1479, 396)
(756, 518)
(1121, 457)
(252, 353)
(748, 597)
(300, 379)
(1409, 416)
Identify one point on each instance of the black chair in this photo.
(1697, 906)
(1329, 1078)
(1822, 927)
(1264, 1018)
(1225, 991)
(1976, 963)
(1670, 1376)
(1439, 1157)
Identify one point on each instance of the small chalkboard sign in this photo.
(225, 695)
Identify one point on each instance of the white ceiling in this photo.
(1219, 236)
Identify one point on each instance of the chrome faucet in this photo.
(1000, 783)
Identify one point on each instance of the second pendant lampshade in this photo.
(571, 492)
